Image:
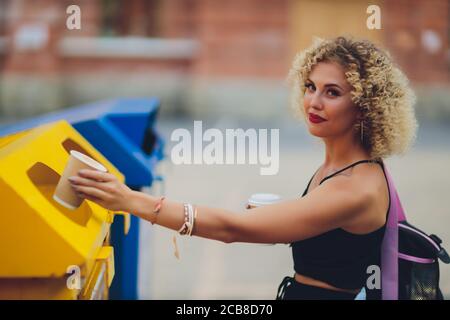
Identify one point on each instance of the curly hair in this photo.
(379, 89)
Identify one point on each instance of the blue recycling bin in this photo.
(123, 130)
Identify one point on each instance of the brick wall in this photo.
(37, 54)
(416, 33)
(238, 38)
(243, 38)
(246, 38)
(241, 43)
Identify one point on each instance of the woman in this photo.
(360, 105)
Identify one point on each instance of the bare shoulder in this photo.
(368, 185)
(365, 179)
(355, 183)
(371, 178)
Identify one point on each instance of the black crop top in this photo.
(338, 257)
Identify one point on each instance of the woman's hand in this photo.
(102, 188)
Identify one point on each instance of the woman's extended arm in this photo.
(211, 223)
(331, 205)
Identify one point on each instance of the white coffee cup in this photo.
(262, 199)
(64, 194)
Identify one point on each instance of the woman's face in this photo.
(327, 95)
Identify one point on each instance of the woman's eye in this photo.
(309, 86)
(333, 93)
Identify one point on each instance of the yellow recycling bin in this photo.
(46, 250)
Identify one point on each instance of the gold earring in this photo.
(362, 131)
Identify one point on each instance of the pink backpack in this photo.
(409, 257)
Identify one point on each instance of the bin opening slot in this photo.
(45, 180)
(70, 144)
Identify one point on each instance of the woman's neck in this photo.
(342, 151)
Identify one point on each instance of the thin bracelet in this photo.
(193, 222)
(190, 214)
(190, 222)
(188, 225)
(158, 205)
(157, 208)
(183, 229)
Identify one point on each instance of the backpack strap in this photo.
(389, 248)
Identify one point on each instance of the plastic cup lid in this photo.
(261, 199)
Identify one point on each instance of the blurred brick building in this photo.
(199, 56)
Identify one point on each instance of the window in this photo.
(130, 18)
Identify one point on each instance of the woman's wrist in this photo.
(141, 205)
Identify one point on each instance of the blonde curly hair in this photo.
(379, 89)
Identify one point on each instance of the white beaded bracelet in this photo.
(189, 220)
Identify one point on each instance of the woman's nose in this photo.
(316, 101)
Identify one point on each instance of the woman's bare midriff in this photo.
(316, 283)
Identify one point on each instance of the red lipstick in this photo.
(315, 118)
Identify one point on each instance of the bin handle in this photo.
(126, 219)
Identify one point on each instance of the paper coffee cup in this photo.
(64, 194)
(262, 199)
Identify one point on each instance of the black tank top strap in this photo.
(310, 180)
(349, 166)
